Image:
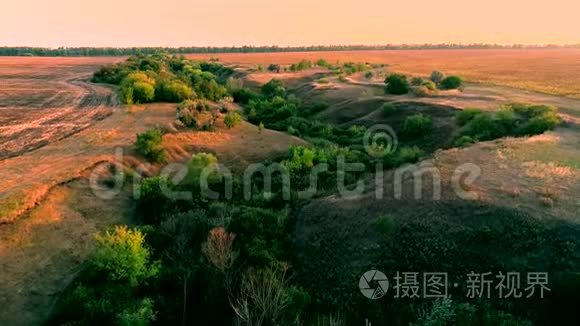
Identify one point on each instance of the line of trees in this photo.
(112, 51)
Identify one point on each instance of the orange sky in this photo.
(291, 22)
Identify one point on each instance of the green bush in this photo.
(323, 63)
(409, 155)
(173, 91)
(153, 201)
(149, 144)
(484, 127)
(451, 82)
(244, 95)
(397, 84)
(303, 64)
(464, 141)
(531, 110)
(388, 108)
(274, 67)
(386, 224)
(126, 94)
(111, 74)
(123, 256)
(232, 119)
(173, 78)
(141, 314)
(516, 119)
(417, 125)
(464, 116)
(539, 124)
(143, 92)
(259, 235)
(368, 74)
(196, 166)
(273, 88)
(357, 130)
(137, 87)
(211, 90)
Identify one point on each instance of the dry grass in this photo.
(43, 252)
(46, 99)
(26, 179)
(516, 173)
(49, 221)
(551, 71)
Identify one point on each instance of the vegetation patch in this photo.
(165, 78)
(149, 144)
(397, 84)
(516, 119)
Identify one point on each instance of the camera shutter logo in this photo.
(373, 278)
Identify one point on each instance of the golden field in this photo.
(551, 71)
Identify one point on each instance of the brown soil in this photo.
(46, 99)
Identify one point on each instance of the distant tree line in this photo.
(111, 51)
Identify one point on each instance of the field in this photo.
(46, 99)
(554, 72)
(48, 215)
(56, 127)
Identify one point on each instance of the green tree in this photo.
(173, 91)
(143, 92)
(137, 87)
(141, 314)
(273, 88)
(123, 256)
(397, 84)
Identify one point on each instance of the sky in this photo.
(126, 23)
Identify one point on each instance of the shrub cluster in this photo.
(417, 125)
(302, 65)
(397, 84)
(451, 82)
(149, 144)
(516, 119)
(232, 119)
(274, 67)
(165, 78)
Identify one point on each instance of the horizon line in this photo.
(387, 45)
